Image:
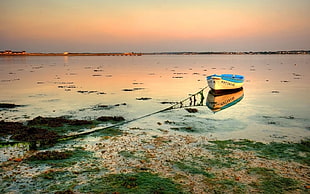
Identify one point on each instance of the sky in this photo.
(154, 25)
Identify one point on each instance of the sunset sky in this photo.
(154, 25)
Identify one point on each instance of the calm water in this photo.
(275, 106)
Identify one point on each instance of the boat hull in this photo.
(225, 82)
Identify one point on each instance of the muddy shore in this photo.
(132, 161)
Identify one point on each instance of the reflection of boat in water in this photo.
(219, 101)
(225, 81)
(216, 100)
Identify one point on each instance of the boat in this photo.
(217, 102)
(225, 81)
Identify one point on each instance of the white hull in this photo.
(225, 81)
(219, 84)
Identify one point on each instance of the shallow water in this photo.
(275, 106)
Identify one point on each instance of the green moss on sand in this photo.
(142, 182)
(298, 152)
(270, 182)
(65, 158)
(193, 169)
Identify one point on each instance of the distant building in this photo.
(19, 52)
(131, 54)
(10, 52)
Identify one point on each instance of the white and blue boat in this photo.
(225, 81)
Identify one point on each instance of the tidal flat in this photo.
(73, 124)
(134, 162)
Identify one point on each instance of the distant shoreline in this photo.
(294, 52)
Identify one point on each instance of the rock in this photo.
(127, 90)
(51, 155)
(19, 132)
(143, 98)
(8, 105)
(36, 134)
(17, 159)
(165, 102)
(169, 122)
(110, 118)
(57, 121)
(191, 110)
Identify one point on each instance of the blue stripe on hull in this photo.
(226, 106)
(232, 103)
(228, 77)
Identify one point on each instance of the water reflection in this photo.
(225, 99)
(214, 100)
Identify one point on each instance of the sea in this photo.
(275, 103)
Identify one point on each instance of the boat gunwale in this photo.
(227, 77)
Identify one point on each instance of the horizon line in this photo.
(294, 51)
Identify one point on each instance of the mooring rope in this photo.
(193, 100)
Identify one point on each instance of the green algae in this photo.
(14, 144)
(46, 131)
(271, 182)
(51, 174)
(193, 168)
(214, 183)
(91, 177)
(62, 180)
(61, 125)
(219, 148)
(19, 132)
(51, 155)
(298, 152)
(142, 182)
(226, 186)
(221, 162)
(64, 158)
